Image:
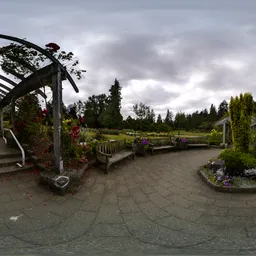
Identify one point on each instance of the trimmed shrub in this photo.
(240, 114)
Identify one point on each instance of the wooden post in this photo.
(2, 121)
(57, 120)
(224, 133)
(13, 113)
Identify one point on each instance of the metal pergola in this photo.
(54, 72)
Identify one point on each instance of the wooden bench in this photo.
(202, 141)
(112, 152)
(160, 144)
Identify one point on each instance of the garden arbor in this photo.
(54, 74)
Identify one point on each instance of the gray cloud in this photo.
(164, 41)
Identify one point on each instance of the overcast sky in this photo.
(176, 54)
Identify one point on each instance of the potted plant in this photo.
(141, 146)
(181, 143)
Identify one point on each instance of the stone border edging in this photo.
(224, 189)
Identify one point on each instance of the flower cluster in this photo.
(181, 140)
(74, 133)
(81, 120)
(144, 142)
(53, 47)
(225, 179)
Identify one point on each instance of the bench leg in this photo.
(133, 156)
(106, 168)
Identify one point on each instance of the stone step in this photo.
(10, 154)
(10, 161)
(12, 169)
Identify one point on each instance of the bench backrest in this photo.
(111, 147)
(161, 141)
(198, 140)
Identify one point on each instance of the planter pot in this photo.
(182, 145)
(140, 150)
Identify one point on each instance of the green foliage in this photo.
(99, 136)
(236, 162)
(232, 158)
(198, 140)
(112, 117)
(11, 53)
(240, 114)
(28, 119)
(110, 131)
(215, 137)
(169, 118)
(72, 151)
(223, 109)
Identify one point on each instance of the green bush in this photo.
(109, 131)
(237, 162)
(215, 137)
(99, 136)
(240, 109)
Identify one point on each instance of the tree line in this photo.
(104, 111)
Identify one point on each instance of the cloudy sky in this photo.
(177, 54)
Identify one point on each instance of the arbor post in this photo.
(2, 121)
(57, 120)
(224, 133)
(13, 113)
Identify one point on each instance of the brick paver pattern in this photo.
(153, 205)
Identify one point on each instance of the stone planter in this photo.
(61, 183)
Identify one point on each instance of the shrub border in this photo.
(224, 189)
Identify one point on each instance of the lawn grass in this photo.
(122, 136)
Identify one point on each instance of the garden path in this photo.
(153, 205)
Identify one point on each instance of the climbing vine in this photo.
(23, 60)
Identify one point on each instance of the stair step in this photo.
(13, 169)
(10, 161)
(14, 154)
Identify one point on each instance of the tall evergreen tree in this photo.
(223, 109)
(159, 119)
(213, 116)
(112, 118)
(169, 117)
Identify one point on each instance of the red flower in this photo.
(81, 120)
(45, 111)
(54, 47)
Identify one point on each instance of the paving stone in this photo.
(131, 184)
(98, 188)
(226, 220)
(71, 228)
(183, 213)
(91, 203)
(159, 200)
(109, 230)
(152, 211)
(109, 214)
(4, 198)
(122, 190)
(109, 198)
(167, 209)
(179, 200)
(162, 191)
(127, 205)
(146, 189)
(138, 196)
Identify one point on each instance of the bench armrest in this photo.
(104, 154)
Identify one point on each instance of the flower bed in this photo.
(232, 175)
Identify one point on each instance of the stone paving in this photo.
(153, 205)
